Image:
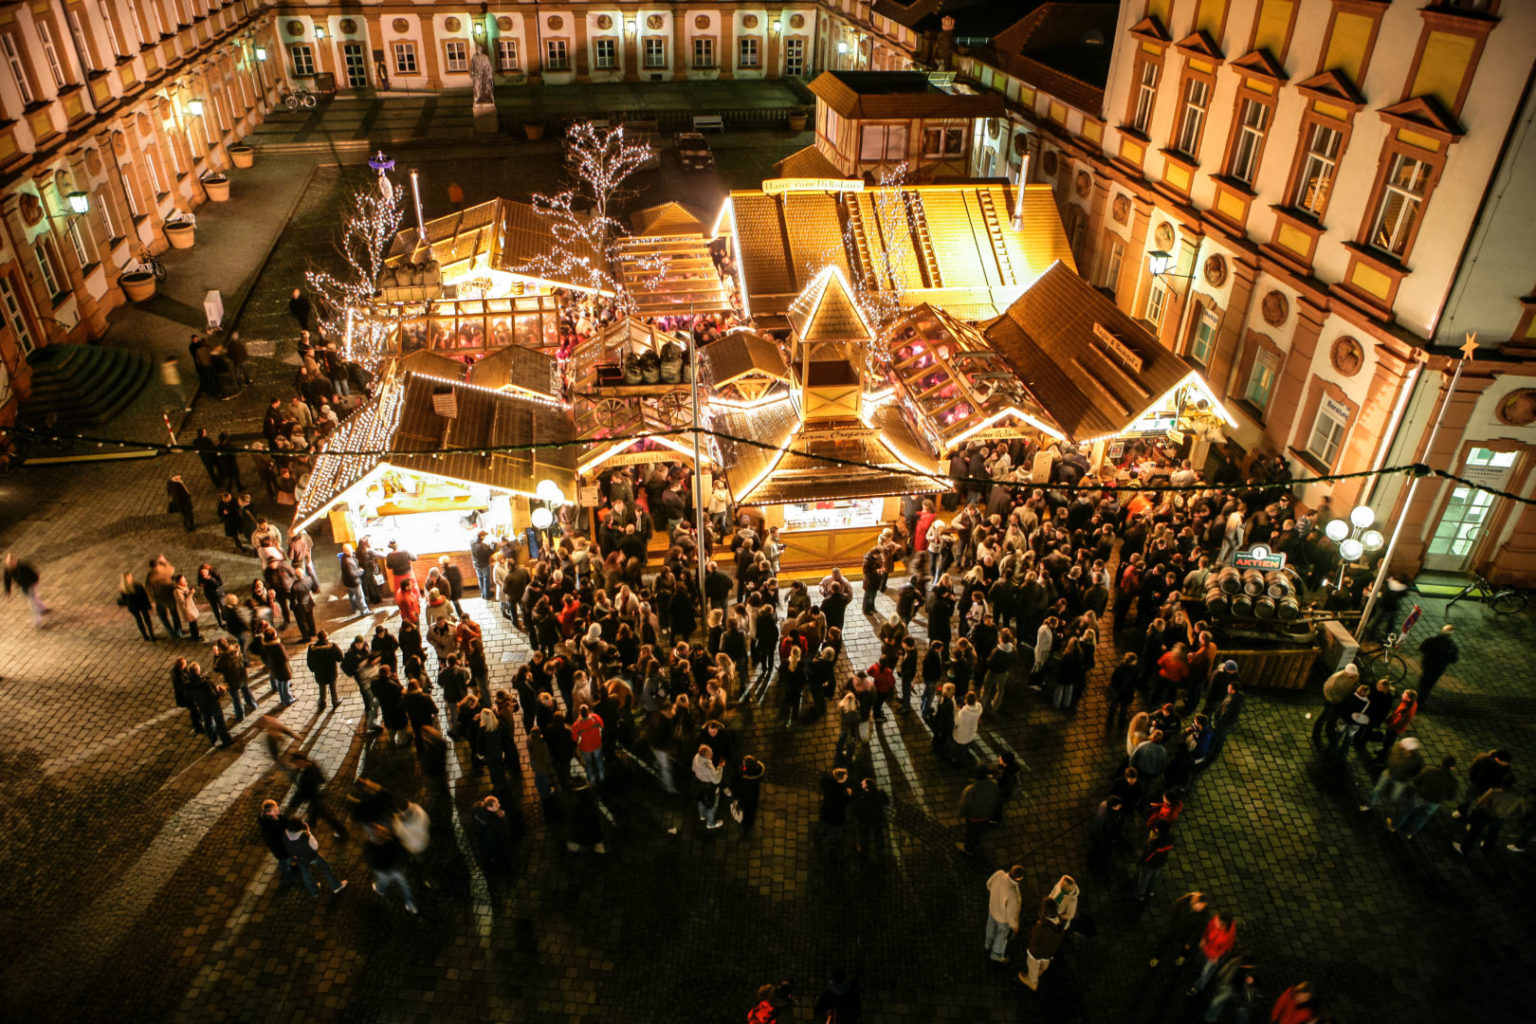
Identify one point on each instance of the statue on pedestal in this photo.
(483, 77)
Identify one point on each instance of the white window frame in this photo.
(77, 242)
(104, 212)
(18, 69)
(704, 53)
(51, 53)
(16, 317)
(1398, 209)
(749, 54)
(557, 55)
(794, 57)
(1253, 123)
(1325, 439)
(455, 56)
(1146, 95)
(404, 52)
(1114, 259)
(135, 211)
(53, 275)
(506, 54)
(136, 26)
(1197, 95)
(1202, 339)
(605, 61)
(157, 179)
(1265, 371)
(655, 51)
(1157, 302)
(82, 41)
(105, 10)
(1320, 164)
(302, 56)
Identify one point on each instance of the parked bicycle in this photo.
(1384, 662)
(298, 97)
(147, 262)
(1504, 600)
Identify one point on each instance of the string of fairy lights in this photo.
(1416, 469)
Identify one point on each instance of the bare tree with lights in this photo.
(586, 234)
(347, 307)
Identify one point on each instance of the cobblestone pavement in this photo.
(136, 888)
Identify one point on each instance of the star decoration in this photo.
(1469, 346)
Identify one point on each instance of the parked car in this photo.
(694, 152)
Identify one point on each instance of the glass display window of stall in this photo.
(833, 515)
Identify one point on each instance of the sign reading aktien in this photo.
(1260, 558)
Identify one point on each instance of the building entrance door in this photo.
(357, 66)
(1465, 517)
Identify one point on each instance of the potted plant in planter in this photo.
(797, 119)
(534, 130)
(138, 285)
(181, 231)
(217, 187)
(242, 155)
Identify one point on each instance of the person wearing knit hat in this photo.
(1336, 688)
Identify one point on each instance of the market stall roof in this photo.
(1092, 368)
(772, 425)
(902, 94)
(739, 353)
(406, 419)
(955, 383)
(670, 218)
(670, 274)
(430, 363)
(954, 245)
(809, 162)
(501, 234)
(516, 369)
(800, 476)
(826, 311)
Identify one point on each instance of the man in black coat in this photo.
(205, 695)
(179, 501)
(324, 661)
(717, 586)
(299, 308)
(1437, 653)
(207, 454)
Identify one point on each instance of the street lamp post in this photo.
(1355, 537)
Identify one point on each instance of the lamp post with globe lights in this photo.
(1355, 538)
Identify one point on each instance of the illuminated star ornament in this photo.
(1469, 346)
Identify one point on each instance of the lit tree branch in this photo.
(369, 224)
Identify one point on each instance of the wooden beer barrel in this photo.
(1229, 580)
(1217, 604)
(1264, 607)
(1287, 608)
(1242, 606)
(1253, 582)
(1278, 584)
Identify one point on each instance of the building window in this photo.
(82, 40)
(747, 53)
(703, 51)
(794, 57)
(605, 55)
(156, 176)
(48, 262)
(104, 213)
(942, 142)
(77, 243)
(1398, 209)
(1114, 256)
(1261, 379)
(134, 209)
(1197, 93)
(105, 9)
(506, 53)
(455, 55)
(405, 58)
(556, 57)
(1202, 341)
(15, 318)
(655, 51)
(303, 59)
(18, 69)
(1146, 93)
(1253, 121)
(1157, 302)
(1328, 431)
(50, 53)
(881, 142)
(1317, 169)
(135, 26)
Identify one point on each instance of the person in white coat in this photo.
(1003, 904)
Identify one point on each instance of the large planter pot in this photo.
(242, 156)
(181, 236)
(797, 122)
(534, 130)
(217, 187)
(138, 286)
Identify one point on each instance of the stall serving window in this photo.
(834, 515)
(477, 326)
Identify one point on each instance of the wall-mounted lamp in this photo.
(195, 108)
(79, 202)
(630, 28)
(1160, 261)
(776, 27)
(261, 53)
(842, 47)
(479, 29)
(319, 32)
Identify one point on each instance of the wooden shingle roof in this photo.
(899, 94)
(742, 352)
(826, 311)
(521, 368)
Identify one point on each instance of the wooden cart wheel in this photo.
(612, 411)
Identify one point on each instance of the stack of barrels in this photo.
(1236, 593)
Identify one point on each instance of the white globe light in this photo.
(1337, 530)
(1373, 540)
(551, 492)
(1362, 516)
(542, 517)
(1351, 549)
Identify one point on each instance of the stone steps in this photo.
(82, 385)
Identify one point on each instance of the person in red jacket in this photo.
(1397, 723)
(408, 600)
(1296, 1005)
(885, 685)
(1220, 936)
(587, 731)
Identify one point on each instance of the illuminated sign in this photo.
(1259, 557)
(776, 186)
